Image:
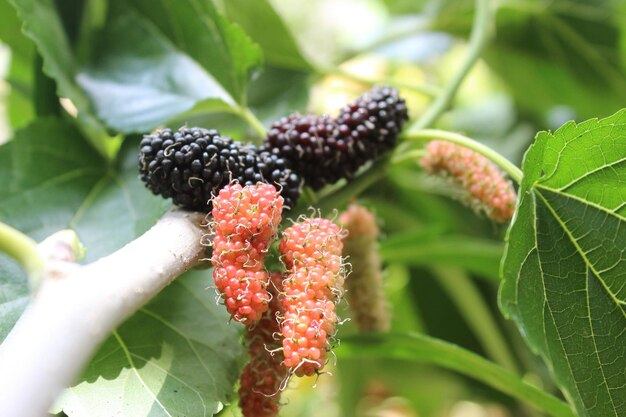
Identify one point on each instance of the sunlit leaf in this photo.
(565, 264)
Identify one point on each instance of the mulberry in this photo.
(485, 187)
(261, 379)
(311, 250)
(324, 150)
(365, 286)
(245, 222)
(193, 164)
(376, 117)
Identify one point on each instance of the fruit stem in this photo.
(253, 122)
(24, 250)
(507, 166)
(337, 199)
(427, 90)
(412, 155)
(481, 30)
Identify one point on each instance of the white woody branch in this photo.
(77, 307)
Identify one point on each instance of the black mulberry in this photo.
(193, 164)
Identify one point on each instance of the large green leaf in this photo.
(176, 357)
(565, 264)
(141, 80)
(198, 30)
(13, 294)
(42, 24)
(259, 19)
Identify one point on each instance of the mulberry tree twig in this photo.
(73, 312)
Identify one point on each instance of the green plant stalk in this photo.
(246, 114)
(340, 197)
(507, 166)
(412, 155)
(24, 250)
(427, 90)
(481, 30)
(466, 297)
(478, 38)
(419, 348)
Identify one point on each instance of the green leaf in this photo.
(416, 347)
(265, 26)
(564, 267)
(539, 85)
(141, 80)
(52, 180)
(13, 294)
(11, 34)
(476, 255)
(197, 29)
(178, 356)
(42, 24)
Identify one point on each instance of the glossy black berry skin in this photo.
(324, 150)
(193, 164)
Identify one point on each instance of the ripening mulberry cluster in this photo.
(324, 150)
(311, 250)
(245, 220)
(485, 187)
(261, 379)
(193, 164)
(364, 288)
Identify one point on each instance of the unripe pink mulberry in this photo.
(261, 379)
(311, 250)
(485, 186)
(365, 285)
(245, 220)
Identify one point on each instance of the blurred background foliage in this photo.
(125, 68)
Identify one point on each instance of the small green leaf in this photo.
(259, 19)
(177, 356)
(564, 267)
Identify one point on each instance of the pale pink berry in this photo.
(485, 187)
(365, 284)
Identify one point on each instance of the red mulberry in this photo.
(311, 250)
(245, 221)
(261, 379)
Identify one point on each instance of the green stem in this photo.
(252, 121)
(427, 90)
(420, 348)
(24, 250)
(341, 196)
(465, 295)
(431, 134)
(412, 155)
(478, 38)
